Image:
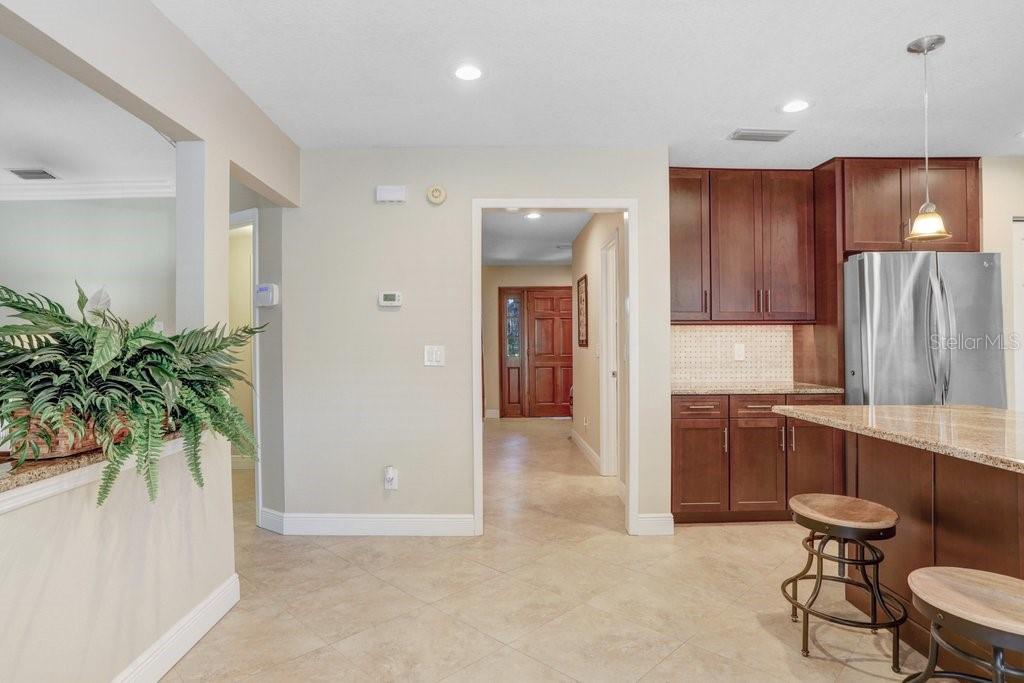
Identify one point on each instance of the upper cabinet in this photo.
(689, 244)
(742, 245)
(881, 197)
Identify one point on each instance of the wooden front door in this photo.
(549, 339)
(511, 363)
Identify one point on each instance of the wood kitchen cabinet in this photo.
(690, 243)
(882, 196)
(757, 464)
(700, 465)
(742, 245)
(733, 459)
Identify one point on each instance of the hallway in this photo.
(553, 591)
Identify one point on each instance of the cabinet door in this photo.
(877, 204)
(955, 193)
(700, 465)
(788, 234)
(690, 244)
(736, 245)
(813, 458)
(757, 464)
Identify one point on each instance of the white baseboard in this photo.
(158, 659)
(621, 490)
(591, 454)
(240, 462)
(492, 414)
(320, 524)
(655, 525)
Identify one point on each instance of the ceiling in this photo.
(510, 239)
(51, 121)
(682, 73)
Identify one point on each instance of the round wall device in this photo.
(436, 194)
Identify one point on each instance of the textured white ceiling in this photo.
(509, 239)
(682, 73)
(51, 121)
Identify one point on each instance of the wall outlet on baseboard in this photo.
(739, 351)
(390, 478)
(586, 421)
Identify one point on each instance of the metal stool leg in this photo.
(998, 664)
(799, 575)
(820, 572)
(929, 669)
(878, 599)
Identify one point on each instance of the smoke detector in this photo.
(759, 134)
(32, 174)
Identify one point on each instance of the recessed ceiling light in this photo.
(793, 106)
(532, 216)
(468, 72)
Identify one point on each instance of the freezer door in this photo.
(974, 351)
(897, 322)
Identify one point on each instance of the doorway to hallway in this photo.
(535, 351)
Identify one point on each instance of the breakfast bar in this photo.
(955, 475)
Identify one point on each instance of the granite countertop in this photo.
(32, 471)
(703, 388)
(990, 436)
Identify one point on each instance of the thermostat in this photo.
(267, 295)
(389, 299)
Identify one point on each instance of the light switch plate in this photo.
(739, 351)
(433, 356)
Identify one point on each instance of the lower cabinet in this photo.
(746, 462)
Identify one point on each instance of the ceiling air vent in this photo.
(759, 134)
(32, 174)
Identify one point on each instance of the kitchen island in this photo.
(955, 475)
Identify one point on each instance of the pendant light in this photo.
(928, 224)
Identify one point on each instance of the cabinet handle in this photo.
(760, 301)
(782, 439)
(756, 407)
(701, 406)
(704, 302)
(792, 439)
(769, 301)
(726, 432)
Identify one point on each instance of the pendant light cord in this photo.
(927, 198)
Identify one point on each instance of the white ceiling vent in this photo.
(32, 174)
(759, 134)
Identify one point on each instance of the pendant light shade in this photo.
(928, 224)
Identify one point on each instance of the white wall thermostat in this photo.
(390, 194)
(267, 295)
(389, 299)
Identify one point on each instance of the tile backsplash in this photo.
(704, 353)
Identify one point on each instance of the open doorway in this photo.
(243, 263)
(552, 276)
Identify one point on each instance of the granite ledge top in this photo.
(705, 388)
(32, 471)
(990, 436)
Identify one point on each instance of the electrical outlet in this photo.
(586, 421)
(433, 355)
(390, 478)
(739, 351)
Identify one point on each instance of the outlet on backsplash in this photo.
(732, 353)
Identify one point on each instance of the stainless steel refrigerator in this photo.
(924, 327)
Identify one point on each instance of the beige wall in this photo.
(240, 288)
(1002, 191)
(493, 277)
(86, 590)
(376, 403)
(125, 245)
(586, 260)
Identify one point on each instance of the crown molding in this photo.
(37, 190)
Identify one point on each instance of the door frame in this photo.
(239, 218)
(632, 309)
(608, 355)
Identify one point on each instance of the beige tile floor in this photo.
(553, 591)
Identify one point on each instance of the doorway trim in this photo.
(238, 218)
(632, 307)
(608, 361)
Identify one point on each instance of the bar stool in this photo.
(852, 521)
(981, 606)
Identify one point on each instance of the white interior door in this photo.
(609, 358)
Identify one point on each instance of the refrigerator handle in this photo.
(934, 315)
(950, 311)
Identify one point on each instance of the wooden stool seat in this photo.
(984, 598)
(843, 511)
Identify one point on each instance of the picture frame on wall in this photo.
(582, 321)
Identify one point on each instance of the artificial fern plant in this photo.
(129, 385)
